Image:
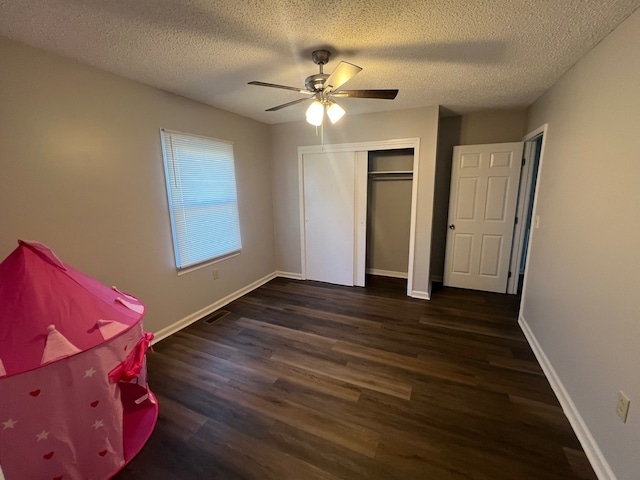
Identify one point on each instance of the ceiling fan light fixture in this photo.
(315, 113)
(335, 112)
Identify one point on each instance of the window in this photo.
(203, 203)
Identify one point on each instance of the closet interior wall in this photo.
(390, 174)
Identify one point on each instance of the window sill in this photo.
(207, 263)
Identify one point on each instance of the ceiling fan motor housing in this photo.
(315, 82)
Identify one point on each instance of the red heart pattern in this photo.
(95, 403)
(35, 393)
(47, 456)
(102, 453)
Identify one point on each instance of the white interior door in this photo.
(329, 216)
(482, 207)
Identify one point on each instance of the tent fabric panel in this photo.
(66, 418)
(37, 291)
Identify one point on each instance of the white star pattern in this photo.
(97, 424)
(43, 435)
(9, 423)
(89, 373)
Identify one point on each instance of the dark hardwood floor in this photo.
(305, 380)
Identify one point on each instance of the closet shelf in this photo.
(391, 175)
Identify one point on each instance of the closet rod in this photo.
(389, 179)
(391, 172)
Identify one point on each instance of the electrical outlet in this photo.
(215, 274)
(622, 407)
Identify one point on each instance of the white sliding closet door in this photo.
(329, 216)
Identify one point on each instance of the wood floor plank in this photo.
(252, 457)
(350, 320)
(527, 366)
(287, 333)
(424, 367)
(197, 342)
(344, 373)
(217, 366)
(579, 464)
(317, 381)
(307, 380)
(177, 369)
(352, 437)
(183, 422)
(471, 326)
(343, 463)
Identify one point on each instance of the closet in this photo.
(358, 211)
(389, 196)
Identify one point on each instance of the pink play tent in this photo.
(74, 401)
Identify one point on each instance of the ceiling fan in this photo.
(325, 88)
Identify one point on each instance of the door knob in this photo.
(452, 226)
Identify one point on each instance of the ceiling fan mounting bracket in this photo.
(321, 57)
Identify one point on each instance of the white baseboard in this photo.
(194, 317)
(594, 454)
(386, 273)
(290, 275)
(421, 295)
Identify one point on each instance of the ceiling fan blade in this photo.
(284, 105)
(284, 87)
(341, 74)
(383, 94)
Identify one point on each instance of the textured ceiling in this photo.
(464, 55)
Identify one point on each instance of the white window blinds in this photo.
(203, 203)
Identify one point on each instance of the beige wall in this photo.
(82, 172)
(581, 288)
(389, 213)
(419, 122)
(494, 126)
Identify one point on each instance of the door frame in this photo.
(361, 150)
(526, 183)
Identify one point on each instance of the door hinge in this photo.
(523, 161)
(509, 276)
(516, 220)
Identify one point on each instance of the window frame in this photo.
(181, 265)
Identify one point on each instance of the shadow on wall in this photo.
(449, 133)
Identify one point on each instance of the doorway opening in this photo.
(526, 200)
(529, 207)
